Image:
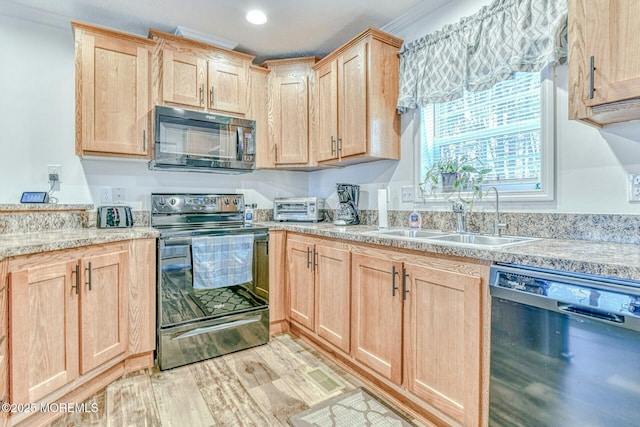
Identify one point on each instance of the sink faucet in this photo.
(461, 217)
(497, 225)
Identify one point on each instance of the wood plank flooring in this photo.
(262, 386)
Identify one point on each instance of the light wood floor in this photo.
(262, 386)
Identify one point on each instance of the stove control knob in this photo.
(227, 201)
(172, 201)
(161, 201)
(312, 209)
(235, 201)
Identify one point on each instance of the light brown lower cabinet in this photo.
(72, 329)
(417, 322)
(442, 330)
(318, 278)
(376, 321)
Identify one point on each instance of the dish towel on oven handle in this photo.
(220, 261)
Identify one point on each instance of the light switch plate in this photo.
(118, 195)
(633, 187)
(408, 193)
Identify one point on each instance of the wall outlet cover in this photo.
(633, 187)
(105, 195)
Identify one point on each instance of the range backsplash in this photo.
(596, 227)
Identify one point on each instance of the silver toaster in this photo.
(303, 209)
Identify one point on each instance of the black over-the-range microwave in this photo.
(188, 140)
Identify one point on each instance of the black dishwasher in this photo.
(565, 349)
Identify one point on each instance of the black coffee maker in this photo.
(347, 210)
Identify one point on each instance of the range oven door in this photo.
(196, 324)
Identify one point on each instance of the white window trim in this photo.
(547, 153)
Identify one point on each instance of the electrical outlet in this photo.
(408, 193)
(54, 176)
(118, 195)
(633, 187)
(105, 195)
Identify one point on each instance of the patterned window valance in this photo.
(483, 49)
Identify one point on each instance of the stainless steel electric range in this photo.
(213, 277)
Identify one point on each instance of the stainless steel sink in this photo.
(410, 234)
(457, 239)
(482, 240)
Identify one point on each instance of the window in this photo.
(508, 129)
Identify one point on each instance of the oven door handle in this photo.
(185, 241)
(220, 327)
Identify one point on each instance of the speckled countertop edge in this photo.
(31, 243)
(20, 207)
(604, 259)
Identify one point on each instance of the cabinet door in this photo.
(376, 314)
(183, 78)
(327, 111)
(607, 31)
(291, 119)
(300, 282)
(333, 295)
(442, 340)
(104, 311)
(227, 86)
(44, 329)
(257, 110)
(114, 95)
(142, 296)
(352, 101)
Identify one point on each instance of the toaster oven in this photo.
(304, 209)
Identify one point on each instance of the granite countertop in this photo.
(605, 259)
(30, 243)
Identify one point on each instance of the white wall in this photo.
(37, 113)
(591, 164)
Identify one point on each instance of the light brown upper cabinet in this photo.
(257, 110)
(356, 96)
(604, 67)
(200, 76)
(112, 92)
(290, 114)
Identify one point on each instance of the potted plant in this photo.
(461, 174)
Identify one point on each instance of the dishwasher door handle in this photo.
(591, 312)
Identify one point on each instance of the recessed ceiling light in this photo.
(256, 17)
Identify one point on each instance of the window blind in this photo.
(500, 127)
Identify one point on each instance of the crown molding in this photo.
(413, 15)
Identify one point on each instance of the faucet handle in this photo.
(458, 206)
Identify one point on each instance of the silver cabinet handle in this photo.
(315, 259)
(308, 257)
(276, 149)
(405, 290)
(394, 288)
(333, 142)
(144, 140)
(88, 272)
(211, 97)
(202, 94)
(339, 147)
(76, 271)
(592, 69)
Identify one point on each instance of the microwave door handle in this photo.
(239, 145)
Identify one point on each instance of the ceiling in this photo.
(295, 27)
